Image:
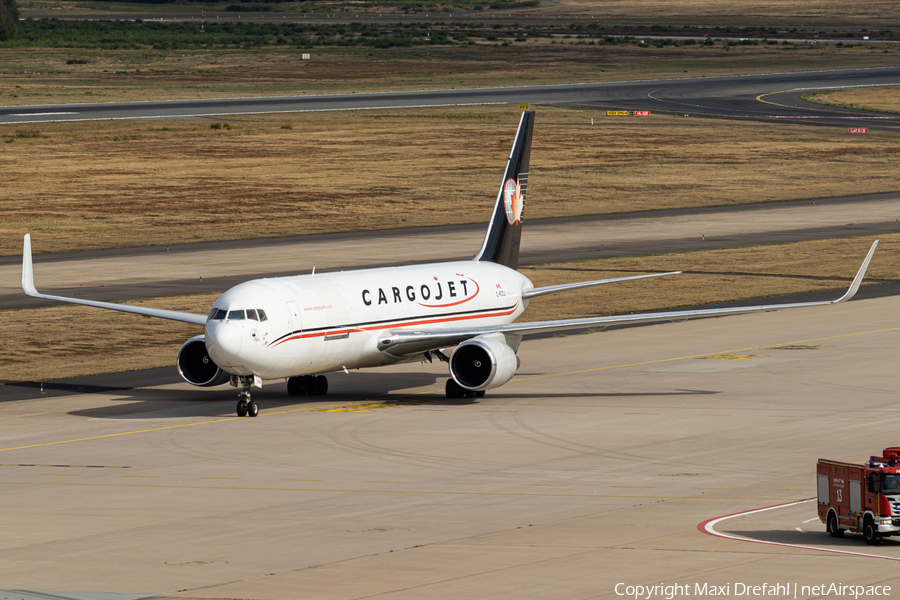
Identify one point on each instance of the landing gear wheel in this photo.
(244, 401)
(252, 409)
(832, 527)
(452, 389)
(293, 386)
(870, 533)
(470, 394)
(479, 394)
(321, 385)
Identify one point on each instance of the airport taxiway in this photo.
(765, 97)
(593, 467)
(113, 275)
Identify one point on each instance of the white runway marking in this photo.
(708, 527)
(41, 114)
(226, 113)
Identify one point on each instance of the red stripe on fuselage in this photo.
(401, 324)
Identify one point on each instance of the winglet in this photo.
(27, 269)
(859, 276)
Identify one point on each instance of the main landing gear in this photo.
(308, 385)
(246, 406)
(454, 390)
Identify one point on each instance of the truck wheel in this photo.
(832, 526)
(870, 533)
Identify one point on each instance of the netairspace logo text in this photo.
(787, 590)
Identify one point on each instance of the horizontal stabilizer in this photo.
(571, 287)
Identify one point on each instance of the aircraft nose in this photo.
(223, 342)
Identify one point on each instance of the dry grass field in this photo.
(876, 13)
(712, 276)
(884, 98)
(811, 13)
(135, 183)
(69, 341)
(129, 75)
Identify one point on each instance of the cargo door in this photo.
(340, 347)
(294, 312)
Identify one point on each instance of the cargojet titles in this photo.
(437, 294)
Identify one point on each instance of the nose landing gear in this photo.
(246, 406)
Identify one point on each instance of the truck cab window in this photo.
(874, 483)
(890, 484)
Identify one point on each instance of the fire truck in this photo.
(861, 497)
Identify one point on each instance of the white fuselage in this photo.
(327, 322)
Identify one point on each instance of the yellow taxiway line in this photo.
(351, 407)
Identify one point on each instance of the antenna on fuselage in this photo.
(314, 272)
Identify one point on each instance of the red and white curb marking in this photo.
(708, 527)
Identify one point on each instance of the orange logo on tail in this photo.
(513, 201)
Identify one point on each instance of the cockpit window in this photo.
(256, 314)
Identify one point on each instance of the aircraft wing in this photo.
(401, 342)
(29, 289)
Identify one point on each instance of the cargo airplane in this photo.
(298, 328)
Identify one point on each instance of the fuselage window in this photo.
(262, 314)
(220, 314)
(235, 315)
(251, 314)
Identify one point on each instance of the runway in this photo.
(756, 97)
(114, 275)
(599, 459)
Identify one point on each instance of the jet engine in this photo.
(195, 365)
(483, 363)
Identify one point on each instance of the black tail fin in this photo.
(501, 243)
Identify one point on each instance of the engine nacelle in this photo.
(483, 363)
(195, 365)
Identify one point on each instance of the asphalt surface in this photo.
(755, 97)
(600, 458)
(593, 467)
